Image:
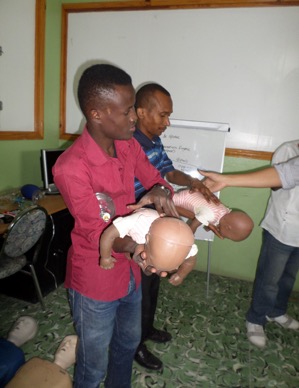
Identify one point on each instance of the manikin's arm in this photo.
(110, 240)
(194, 223)
(106, 243)
(183, 270)
(267, 177)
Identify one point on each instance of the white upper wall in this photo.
(17, 39)
(238, 65)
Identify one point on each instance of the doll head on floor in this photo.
(168, 243)
(235, 225)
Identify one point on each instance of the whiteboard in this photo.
(193, 145)
(17, 32)
(233, 65)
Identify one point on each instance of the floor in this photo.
(209, 346)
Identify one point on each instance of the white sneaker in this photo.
(23, 330)
(65, 355)
(285, 321)
(256, 334)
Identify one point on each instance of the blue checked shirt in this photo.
(156, 154)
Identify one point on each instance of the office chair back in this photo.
(23, 234)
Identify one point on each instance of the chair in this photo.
(24, 234)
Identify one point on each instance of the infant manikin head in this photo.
(168, 243)
(236, 225)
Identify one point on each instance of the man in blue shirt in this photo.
(157, 156)
(154, 107)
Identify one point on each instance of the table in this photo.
(52, 203)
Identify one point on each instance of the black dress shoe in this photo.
(159, 336)
(146, 359)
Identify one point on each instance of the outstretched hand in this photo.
(214, 181)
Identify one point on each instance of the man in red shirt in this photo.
(106, 305)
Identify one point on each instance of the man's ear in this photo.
(95, 114)
(140, 113)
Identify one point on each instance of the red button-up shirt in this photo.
(81, 171)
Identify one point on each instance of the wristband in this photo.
(166, 189)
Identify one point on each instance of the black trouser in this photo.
(150, 290)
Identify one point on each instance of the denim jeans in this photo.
(109, 333)
(274, 280)
(11, 359)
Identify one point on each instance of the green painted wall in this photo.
(20, 165)
(230, 258)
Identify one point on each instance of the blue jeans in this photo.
(274, 280)
(109, 333)
(11, 359)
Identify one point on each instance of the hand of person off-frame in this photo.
(213, 181)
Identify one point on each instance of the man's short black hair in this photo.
(98, 82)
(145, 93)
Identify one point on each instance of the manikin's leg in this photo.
(65, 355)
